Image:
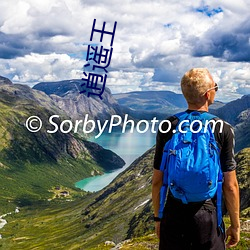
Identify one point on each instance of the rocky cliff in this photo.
(243, 175)
(67, 97)
(242, 130)
(237, 114)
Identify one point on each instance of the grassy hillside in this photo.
(51, 225)
(33, 163)
(121, 211)
(86, 222)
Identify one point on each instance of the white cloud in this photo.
(129, 81)
(153, 46)
(16, 18)
(35, 68)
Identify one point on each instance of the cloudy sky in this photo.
(155, 42)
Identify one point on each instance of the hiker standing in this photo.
(193, 169)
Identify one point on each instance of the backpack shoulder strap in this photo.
(182, 115)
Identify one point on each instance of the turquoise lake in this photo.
(129, 146)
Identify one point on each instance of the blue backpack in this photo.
(191, 162)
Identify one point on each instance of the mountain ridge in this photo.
(154, 103)
(230, 111)
(67, 97)
(237, 114)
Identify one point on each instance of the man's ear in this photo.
(207, 95)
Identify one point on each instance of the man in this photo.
(194, 225)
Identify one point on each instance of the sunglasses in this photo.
(216, 87)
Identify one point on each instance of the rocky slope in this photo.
(4, 80)
(237, 114)
(242, 130)
(243, 175)
(126, 201)
(66, 95)
(232, 110)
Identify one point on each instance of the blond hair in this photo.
(195, 83)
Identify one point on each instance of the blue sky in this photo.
(155, 43)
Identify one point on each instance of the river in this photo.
(128, 146)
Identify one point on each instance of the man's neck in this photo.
(198, 107)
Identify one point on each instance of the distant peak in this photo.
(4, 80)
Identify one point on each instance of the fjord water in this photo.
(128, 146)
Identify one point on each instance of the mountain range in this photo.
(33, 166)
(149, 104)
